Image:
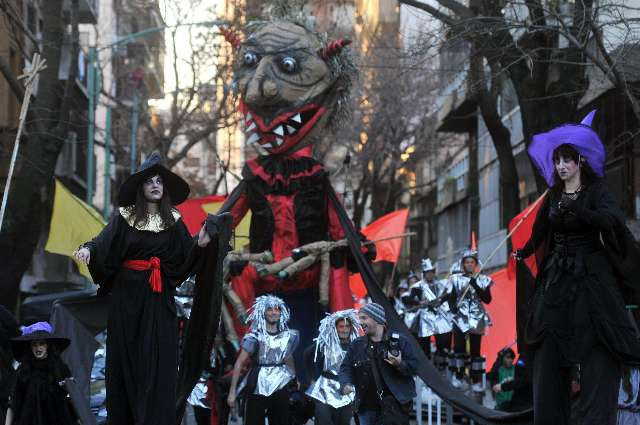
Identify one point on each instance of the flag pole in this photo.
(505, 239)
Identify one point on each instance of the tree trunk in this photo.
(500, 135)
(545, 104)
(28, 207)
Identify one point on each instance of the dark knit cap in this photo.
(375, 311)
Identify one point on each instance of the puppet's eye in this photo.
(289, 65)
(250, 59)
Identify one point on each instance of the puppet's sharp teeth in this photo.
(279, 131)
(267, 145)
(251, 127)
(290, 129)
(297, 118)
(278, 141)
(253, 138)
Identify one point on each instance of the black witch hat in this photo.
(173, 184)
(35, 332)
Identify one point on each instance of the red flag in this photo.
(192, 213)
(388, 225)
(502, 310)
(521, 236)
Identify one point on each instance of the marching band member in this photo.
(469, 317)
(434, 317)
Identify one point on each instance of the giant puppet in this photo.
(293, 86)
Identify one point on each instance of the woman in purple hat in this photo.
(39, 396)
(586, 256)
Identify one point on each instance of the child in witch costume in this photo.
(140, 257)
(39, 396)
(586, 257)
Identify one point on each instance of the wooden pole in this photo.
(38, 65)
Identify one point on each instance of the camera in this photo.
(394, 344)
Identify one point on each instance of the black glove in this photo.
(473, 283)
(434, 303)
(370, 252)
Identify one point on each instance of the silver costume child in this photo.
(411, 298)
(469, 316)
(435, 317)
(331, 406)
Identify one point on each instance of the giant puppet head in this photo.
(292, 83)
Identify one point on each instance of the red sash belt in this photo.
(153, 264)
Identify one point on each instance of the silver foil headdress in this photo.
(427, 265)
(260, 307)
(328, 339)
(468, 253)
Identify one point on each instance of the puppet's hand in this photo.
(83, 255)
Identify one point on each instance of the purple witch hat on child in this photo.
(37, 331)
(581, 137)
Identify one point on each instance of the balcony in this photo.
(88, 12)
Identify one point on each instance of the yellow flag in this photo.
(242, 230)
(73, 222)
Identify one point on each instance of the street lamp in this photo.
(93, 91)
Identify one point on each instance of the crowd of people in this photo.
(452, 312)
(580, 336)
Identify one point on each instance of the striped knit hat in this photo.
(375, 311)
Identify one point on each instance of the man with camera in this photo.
(379, 367)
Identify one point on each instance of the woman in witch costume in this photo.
(577, 318)
(140, 257)
(39, 396)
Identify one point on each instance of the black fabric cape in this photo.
(202, 326)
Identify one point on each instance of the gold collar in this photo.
(153, 223)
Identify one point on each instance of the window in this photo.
(456, 175)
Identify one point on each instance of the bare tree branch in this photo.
(431, 10)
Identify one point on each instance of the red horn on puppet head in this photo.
(232, 37)
(333, 48)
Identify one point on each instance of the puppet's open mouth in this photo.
(284, 131)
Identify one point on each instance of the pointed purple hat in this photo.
(579, 136)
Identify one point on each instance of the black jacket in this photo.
(356, 370)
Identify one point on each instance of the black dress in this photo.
(142, 344)
(38, 398)
(577, 317)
